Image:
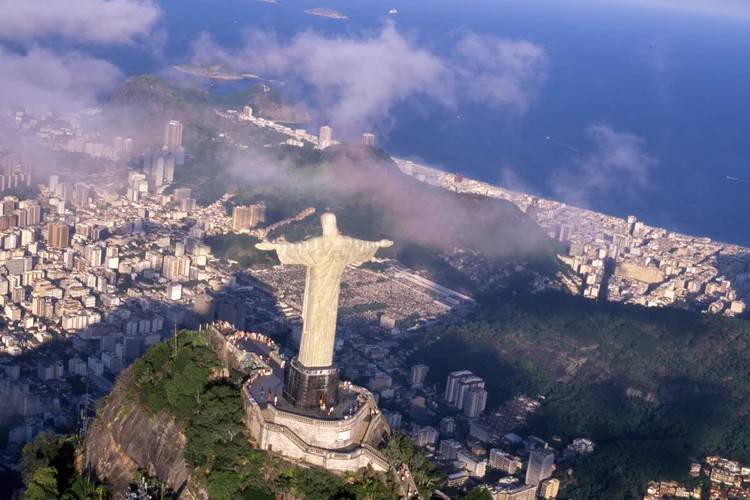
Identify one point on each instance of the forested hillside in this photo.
(687, 374)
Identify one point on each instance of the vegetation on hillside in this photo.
(241, 249)
(582, 356)
(48, 471)
(402, 449)
(150, 101)
(218, 446)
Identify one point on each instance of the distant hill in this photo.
(655, 388)
(146, 102)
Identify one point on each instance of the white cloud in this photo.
(501, 71)
(67, 81)
(358, 79)
(108, 21)
(618, 164)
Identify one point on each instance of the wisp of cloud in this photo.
(357, 80)
(618, 164)
(105, 21)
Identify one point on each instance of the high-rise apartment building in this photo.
(58, 234)
(475, 402)
(451, 386)
(176, 267)
(182, 194)
(550, 488)
(247, 217)
(173, 141)
(512, 492)
(33, 212)
(368, 139)
(465, 384)
(540, 466)
(169, 164)
(471, 464)
(159, 171)
(325, 136)
(505, 461)
(418, 374)
(426, 436)
(449, 448)
(448, 426)
(172, 136)
(81, 195)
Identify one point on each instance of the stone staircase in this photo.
(267, 415)
(363, 428)
(407, 486)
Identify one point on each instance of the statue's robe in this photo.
(326, 258)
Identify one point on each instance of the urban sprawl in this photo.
(115, 270)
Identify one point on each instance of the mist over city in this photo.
(282, 249)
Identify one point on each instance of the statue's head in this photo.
(328, 221)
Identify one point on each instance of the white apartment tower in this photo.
(324, 140)
(368, 139)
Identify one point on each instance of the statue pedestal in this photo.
(309, 387)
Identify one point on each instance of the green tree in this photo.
(402, 449)
(222, 485)
(479, 493)
(49, 451)
(83, 488)
(42, 485)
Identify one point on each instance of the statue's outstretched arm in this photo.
(364, 251)
(266, 245)
(290, 253)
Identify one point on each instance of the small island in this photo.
(326, 13)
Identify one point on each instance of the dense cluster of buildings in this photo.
(297, 137)
(727, 479)
(626, 260)
(116, 271)
(39, 126)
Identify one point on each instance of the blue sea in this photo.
(677, 79)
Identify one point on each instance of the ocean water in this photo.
(678, 80)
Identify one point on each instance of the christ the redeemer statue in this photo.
(326, 258)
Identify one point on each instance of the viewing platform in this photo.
(343, 438)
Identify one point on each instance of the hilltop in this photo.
(180, 417)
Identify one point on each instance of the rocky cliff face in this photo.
(124, 438)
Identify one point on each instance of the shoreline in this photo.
(323, 13)
(229, 78)
(509, 195)
(212, 77)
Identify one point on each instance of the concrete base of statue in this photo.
(343, 438)
(311, 387)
